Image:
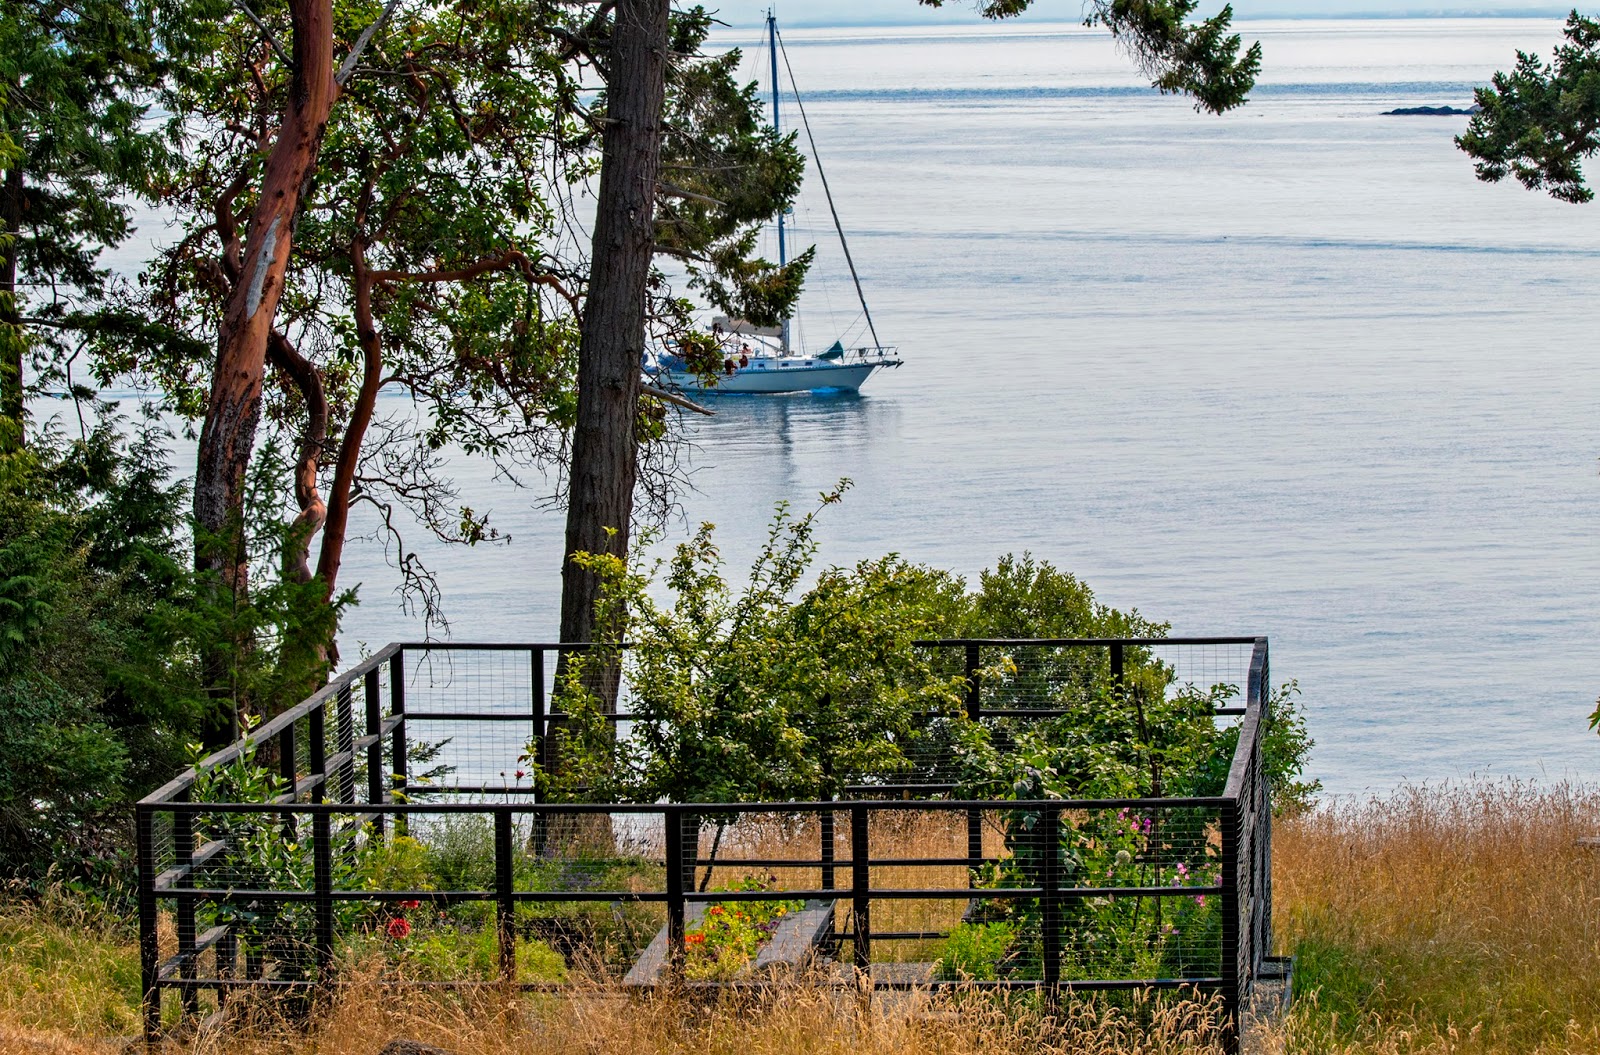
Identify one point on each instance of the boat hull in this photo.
(769, 379)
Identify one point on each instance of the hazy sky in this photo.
(859, 12)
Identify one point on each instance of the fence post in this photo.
(345, 729)
(505, 903)
(1050, 901)
(322, 885)
(825, 825)
(183, 857)
(398, 749)
(974, 817)
(288, 769)
(1117, 658)
(375, 781)
(861, 888)
(672, 821)
(149, 951)
(321, 843)
(541, 733)
(1232, 998)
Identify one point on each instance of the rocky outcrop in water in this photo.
(1432, 111)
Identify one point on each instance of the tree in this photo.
(428, 257)
(97, 698)
(1201, 59)
(419, 264)
(728, 173)
(76, 80)
(765, 693)
(1540, 121)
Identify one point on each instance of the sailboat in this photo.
(764, 359)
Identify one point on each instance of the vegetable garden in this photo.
(1052, 815)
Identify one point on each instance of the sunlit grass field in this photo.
(1463, 918)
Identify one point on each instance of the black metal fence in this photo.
(274, 884)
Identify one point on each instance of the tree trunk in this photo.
(11, 342)
(342, 490)
(234, 408)
(604, 447)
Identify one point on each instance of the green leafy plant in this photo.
(261, 854)
(766, 693)
(974, 950)
(727, 938)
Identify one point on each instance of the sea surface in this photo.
(1290, 371)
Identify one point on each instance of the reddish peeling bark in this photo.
(286, 359)
(234, 409)
(344, 470)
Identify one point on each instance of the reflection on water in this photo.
(1291, 371)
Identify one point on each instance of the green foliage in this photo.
(101, 624)
(445, 952)
(75, 145)
(765, 694)
(1199, 59)
(725, 941)
(262, 855)
(973, 950)
(96, 696)
(1539, 122)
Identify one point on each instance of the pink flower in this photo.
(520, 774)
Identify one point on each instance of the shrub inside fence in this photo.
(364, 827)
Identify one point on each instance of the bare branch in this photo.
(266, 33)
(679, 192)
(676, 400)
(348, 66)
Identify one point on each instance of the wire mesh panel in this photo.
(471, 714)
(383, 825)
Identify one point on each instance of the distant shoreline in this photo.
(970, 19)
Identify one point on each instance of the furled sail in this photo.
(723, 324)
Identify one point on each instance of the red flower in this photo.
(694, 939)
(410, 904)
(399, 928)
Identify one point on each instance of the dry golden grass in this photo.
(795, 1019)
(1461, 918)
(67, 969)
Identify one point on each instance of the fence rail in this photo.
(273, 894)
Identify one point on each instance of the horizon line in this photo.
(1421, 14)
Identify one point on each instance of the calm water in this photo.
(1291, 371)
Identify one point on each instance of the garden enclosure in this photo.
(394, 819)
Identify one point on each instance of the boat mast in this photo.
(772, 46)
(816, 159)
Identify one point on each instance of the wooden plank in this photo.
(165, 880)
(799, 934)
(169, 968)
(647, 969)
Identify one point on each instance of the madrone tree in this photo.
(430, 256)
